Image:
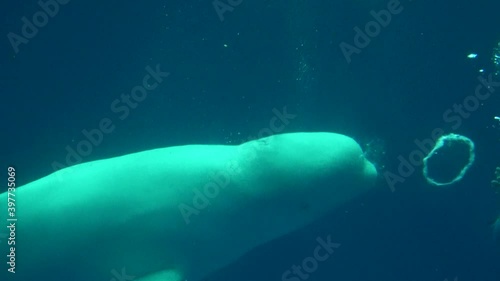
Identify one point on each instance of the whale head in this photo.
(303, 176)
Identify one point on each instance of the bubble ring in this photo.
(440, 143)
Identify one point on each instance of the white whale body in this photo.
(180, 213)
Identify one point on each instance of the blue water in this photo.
(226, 77)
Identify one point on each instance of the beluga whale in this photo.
(179, 213)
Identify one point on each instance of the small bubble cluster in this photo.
(496, 58)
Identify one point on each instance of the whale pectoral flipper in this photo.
(164, 275)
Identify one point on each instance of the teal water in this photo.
(228, 76)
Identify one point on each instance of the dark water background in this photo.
(226, 77)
